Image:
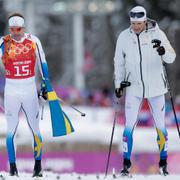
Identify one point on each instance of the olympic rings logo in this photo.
(20, 48)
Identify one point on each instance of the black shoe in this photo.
(126, 167)
(163, 167)
(37, 172)
(13, 170)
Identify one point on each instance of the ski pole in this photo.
(110, 145)
(171, 97)
(42, 102)
(42, 111)
(123, 85)
(157, 43)
(82, 114)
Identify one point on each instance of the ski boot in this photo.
(163, 167)
(13, 170)
(126, 167)
(37, 172)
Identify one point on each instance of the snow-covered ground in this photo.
(74, 176)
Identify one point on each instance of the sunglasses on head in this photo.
(16, 29)
(136, 14)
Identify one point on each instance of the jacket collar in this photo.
(151, 25)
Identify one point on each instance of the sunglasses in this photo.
(16, 29)
(136, 14)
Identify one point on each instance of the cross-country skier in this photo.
(20, 52)
(137, 61)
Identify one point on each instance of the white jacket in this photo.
(139, 63)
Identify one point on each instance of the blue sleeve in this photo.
(45, 70)
(42, 61)
(2, 47)
(46, 77)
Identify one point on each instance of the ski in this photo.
(126, 175)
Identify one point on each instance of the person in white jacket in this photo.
(20, 52)
(139, 63)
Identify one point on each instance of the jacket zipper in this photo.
(141, 65)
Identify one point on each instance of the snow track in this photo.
(75, 176)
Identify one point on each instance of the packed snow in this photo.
(74, 176)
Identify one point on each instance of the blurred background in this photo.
(79, 38)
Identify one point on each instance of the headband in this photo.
(16, 21)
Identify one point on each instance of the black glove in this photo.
(44, 95)
(156, 43)
(161, 50)
(118, 92)
(43, 92)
